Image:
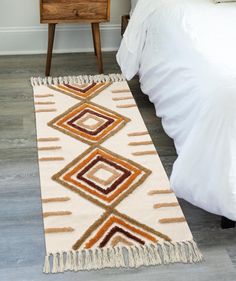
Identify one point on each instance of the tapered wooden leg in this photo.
(93, 32)
(97, 43)
(51, 35)
(226, 223)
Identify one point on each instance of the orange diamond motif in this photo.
(102, 176)
(89, 122)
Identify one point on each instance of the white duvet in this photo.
(185, 54)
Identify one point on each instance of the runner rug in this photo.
(106, 198)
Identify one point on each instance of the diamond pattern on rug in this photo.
(81, 91)
(102, 176)
(89, 123)
(116, 231)
(97, 210)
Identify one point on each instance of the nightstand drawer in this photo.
(74, 10)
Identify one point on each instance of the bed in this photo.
(184, 54)
(133, 5)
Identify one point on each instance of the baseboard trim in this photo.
(57, 51)
(33, 39)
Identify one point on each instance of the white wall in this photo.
(21, 33)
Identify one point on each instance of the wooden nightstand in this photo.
(94, 12)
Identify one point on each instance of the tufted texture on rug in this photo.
(106, 198)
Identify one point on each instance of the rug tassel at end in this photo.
(197, 255)
(120, 258)
(68, 261)
(61, 263)
(165, 253)
(46, 268)
(81, 79)
(55, 263)
(116, 257)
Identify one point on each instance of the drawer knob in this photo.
(76, 12)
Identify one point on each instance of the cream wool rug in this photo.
(106, 198)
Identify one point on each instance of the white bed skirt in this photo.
(184, 51)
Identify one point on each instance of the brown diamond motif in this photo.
(89, 123)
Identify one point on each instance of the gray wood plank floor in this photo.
(21, 229)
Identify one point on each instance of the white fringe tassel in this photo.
(81, 79)
(134, 257)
